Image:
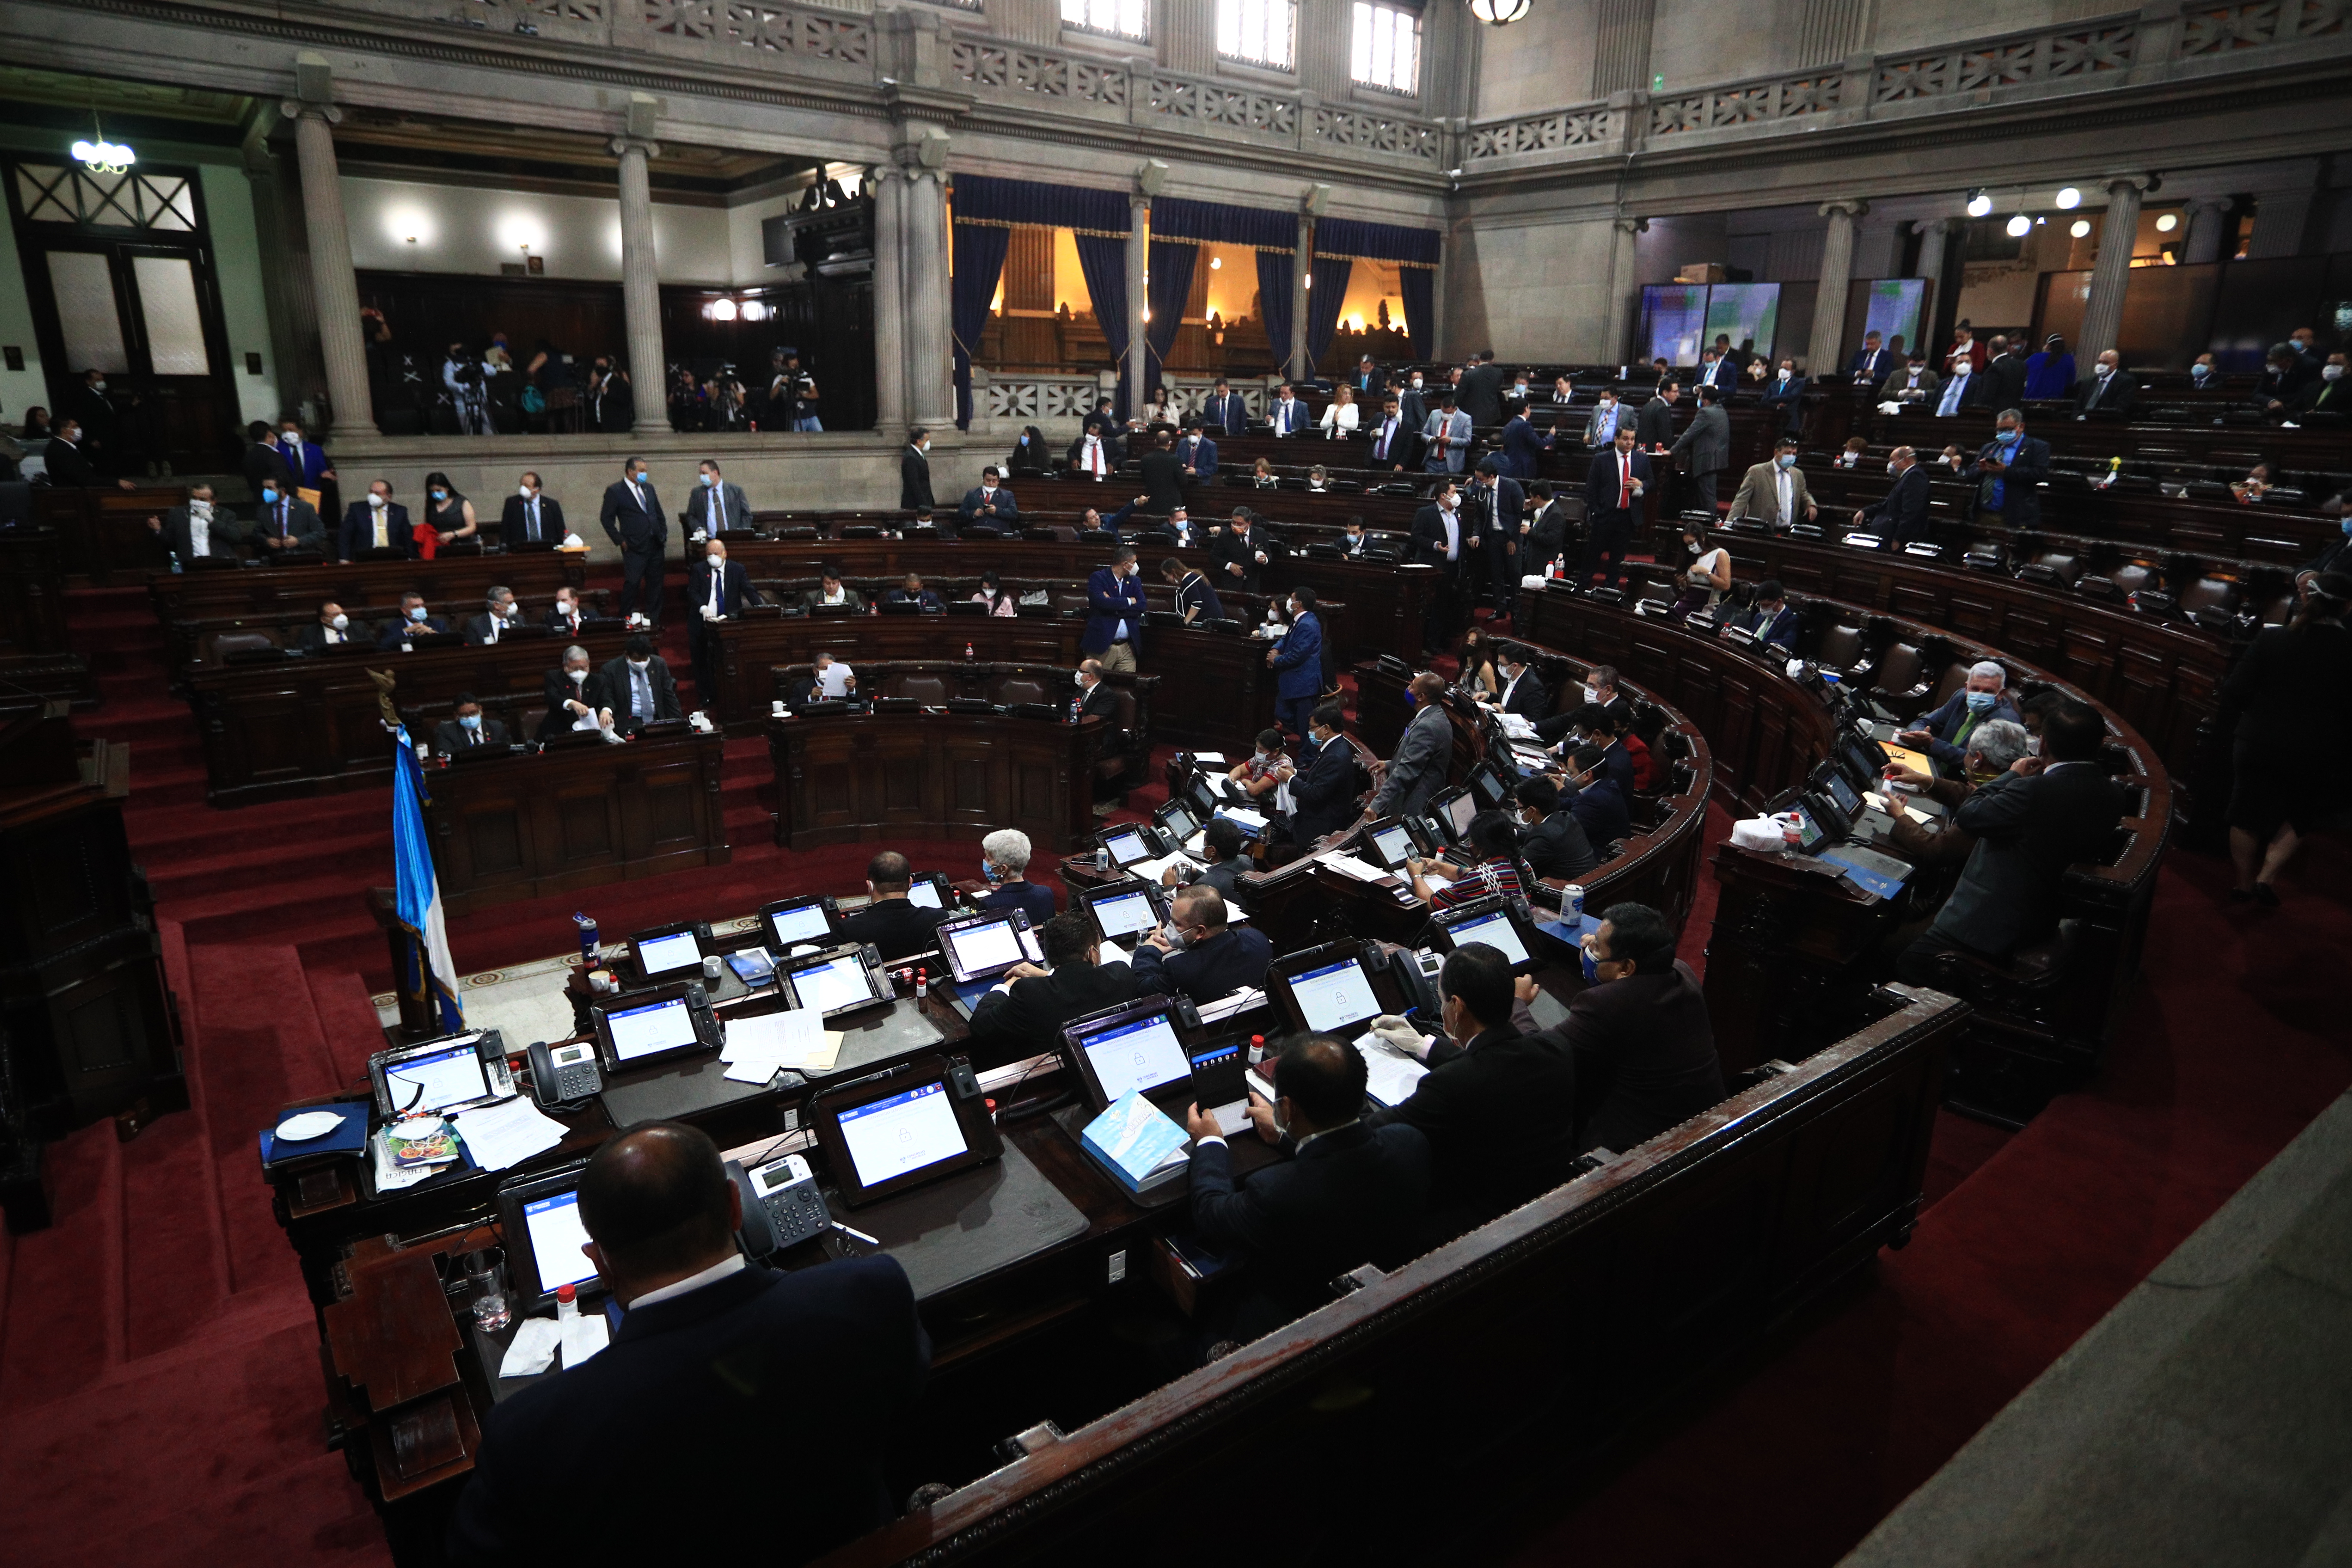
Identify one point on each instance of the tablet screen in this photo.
(1809, 832)
(807, 923)
(836, 983)
(1141, 1054)
(1459, 811)
(986, 946)
(661, 954)
(1394, 842)
(1126, 847)
(1124, 914)
(556, 1237)
(923, 895)
(642, 1031)
(1335, 996)
(1178, 822)
(1841, 791)
(1495, 931)
(904, 1132)
(450, 1077)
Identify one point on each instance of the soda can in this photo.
(1572, 903)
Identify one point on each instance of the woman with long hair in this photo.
(993, 595)
(2289, 703)
(449, 517)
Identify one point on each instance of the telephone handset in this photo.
(781, 1205)
(564, 1075)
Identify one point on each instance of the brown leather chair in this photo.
(1840, 648)
(1899, 672)
(227, 643)
(921, 686)
(1010, 689)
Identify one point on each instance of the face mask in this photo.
(988, 871)
(508, 611)
(577, 674)
(2010, 435)
(2200, 373)
(416, 612)
(524, 491)
(1608, 402)
(376, 502)
(470, 721)
(1787, 459)
(440, 495)
(292, 437)
(1591, 970)
(708, 480)
(268, 495)
(342, 623)
(1982, 701)
(641, 664)
(714, 558)
(1521, 390)
(2330, 372)
(1416, 383)
(1176, 939)
(2033, 745)
(98, 387)
(1592, 694)
(2105, 370)
(640, 476)
(562, 608)
(1412, 697)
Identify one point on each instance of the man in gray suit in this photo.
(2030, 824)
(1707, 443)
(1446, 437)
(1417, 772)
(714, 498)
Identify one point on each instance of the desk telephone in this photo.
(564, 1075)
(781, 1205)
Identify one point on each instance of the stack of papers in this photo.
(1517, 726)
(1210, 759)
(506, 1133)
(1391, 1076)
(1340, 860)
(1253, 821)
(1139, 1143)
(756, 1050)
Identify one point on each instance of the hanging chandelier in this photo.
(101, 156)
(1500, 12)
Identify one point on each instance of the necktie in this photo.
(473, 737)
(383, 527)
(1624, 481)
(638, 495)
(1951, 400)
(1380, 449)
(533, 530)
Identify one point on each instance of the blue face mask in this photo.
(1412, 697)
(1981, 701)
(268, 495)
(2012, 437)
(988, 870)
(1787, 459)
(707, 480)
(416, 612)
(2347, 522)
(440, 495)
(470, 721)
(1591, 970)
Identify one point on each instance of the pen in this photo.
(857, 1235)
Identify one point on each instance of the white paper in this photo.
(786, 1036)
(585, 721)
(583, 1336)
(1114, 953)
(1245, 816)
(1214, 758)
(532, 1349)
(1233, 1002)
(1390, 1074)
(1517, 725)
(1340, 860)
(506, 1133)
(1152, 870)
(1233, 1120)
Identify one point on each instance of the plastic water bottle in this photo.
(587, 936)
(922, 983)
(1258, 1049)
(567, 1302)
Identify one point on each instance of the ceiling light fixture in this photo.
(2168, 223)
(103, 157)
(2019, 226)
(1979, 203)
(722, 309)
(2069, 198)
(1500, 12)
(2080, 228)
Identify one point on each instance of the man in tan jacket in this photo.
(1775, 492)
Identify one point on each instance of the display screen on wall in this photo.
(1747, 313)
(1893, 308)
(1673, 316)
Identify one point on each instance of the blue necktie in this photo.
(1951, 399)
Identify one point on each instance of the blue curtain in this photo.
(1171, 284)
(1104, 262)
(1416, 248)
(1274, 268)
(1323, 300)
(1419, 287)
(1262, 229)
(979, 261)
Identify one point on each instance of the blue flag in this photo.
(430, 973)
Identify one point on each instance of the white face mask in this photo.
(525, 492)
(577, 674)
(292, 437)
(1416, 383)
(340, 623)
(375, 501)
(561, 608)
(203, 508)
(2330, 372)
(641, 664)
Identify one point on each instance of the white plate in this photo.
(309, 1124)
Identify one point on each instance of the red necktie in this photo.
(1624, 481)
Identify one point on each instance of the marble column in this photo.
(2103, 309)
(930, 364)
(1301, 268)
(641, 286)
(2209, 229)
(1139, 262)
(1625, 296)
(1829, 295)
(1932, 233)
(889, 297)
(334, 289)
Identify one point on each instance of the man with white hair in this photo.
(1944, 735)
(1994, 747)
(1004, 862)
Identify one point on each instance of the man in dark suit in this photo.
(1297, 663)
(378, 522)
(1417, 771)
(305, 461)
(1705, 447)
(640, 687)
(2108, 389)
(1480, 395)
(2009, 471)
(1164, 476)
(1524, 692)
(1642, 1045)
(1498, 1105)
(717, 589)
(1214, 958)
(1243, 552)
(1613, 487)
(911, 591)
(2030, 824)
(1551, 841)
(1653, 428)
(1871, 363)
(1395, 441)
(1944, 734)
(1548, 531)
(331, 629)
(1785, 391)
(988, 505)
(65, 460)
(530, 520)
(1226, 411)
(571, 693)
(500, 614)
(1091, 697)
(1030, 1004)
(1902, 515)
(632, 518)
(411, 620)
(2004, 373)
(2328, 393)
(1288, 413)
(198, 530)
(1352, 1195)
(896, 925)
(710, 1362)
(570, 612)
(1498, 507)
(1196, 596)
(915, 473)
(263, 461)
(1599, 802)
(466, 730)
(1769, 618)
(1323, 794)
(1195, 453)
(1115, 609)
(716, 504)
(1443, 538)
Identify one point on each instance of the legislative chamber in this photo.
(1473, 780)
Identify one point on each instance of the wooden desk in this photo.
(105, 527)
(34, 656)
(283, 595)
(851, 778)
(529, 824)
(309, 725)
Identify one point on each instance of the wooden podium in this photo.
(1787, 961)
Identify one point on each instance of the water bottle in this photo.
(1102, 858)
(1258, 1049)
(587, 937)
(922, 983)
(567, 1303)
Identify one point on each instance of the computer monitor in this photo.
(1127, 846)
(540, 1218)
(982, 946)
(641, 1028)
(1125, 910)
(1392, 842)
(1862, 760)
(1332, 995)
(1810, 834)
(437, 1076)
(1134, 1049)
(916, 1124)
(670, 950)
(837, 980)
(1489, 921)
(790, 922)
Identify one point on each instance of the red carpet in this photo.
(159, 1331)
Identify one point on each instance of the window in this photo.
(1386, 52)
(1257, 32)
(1120, 18)
(135, 199)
